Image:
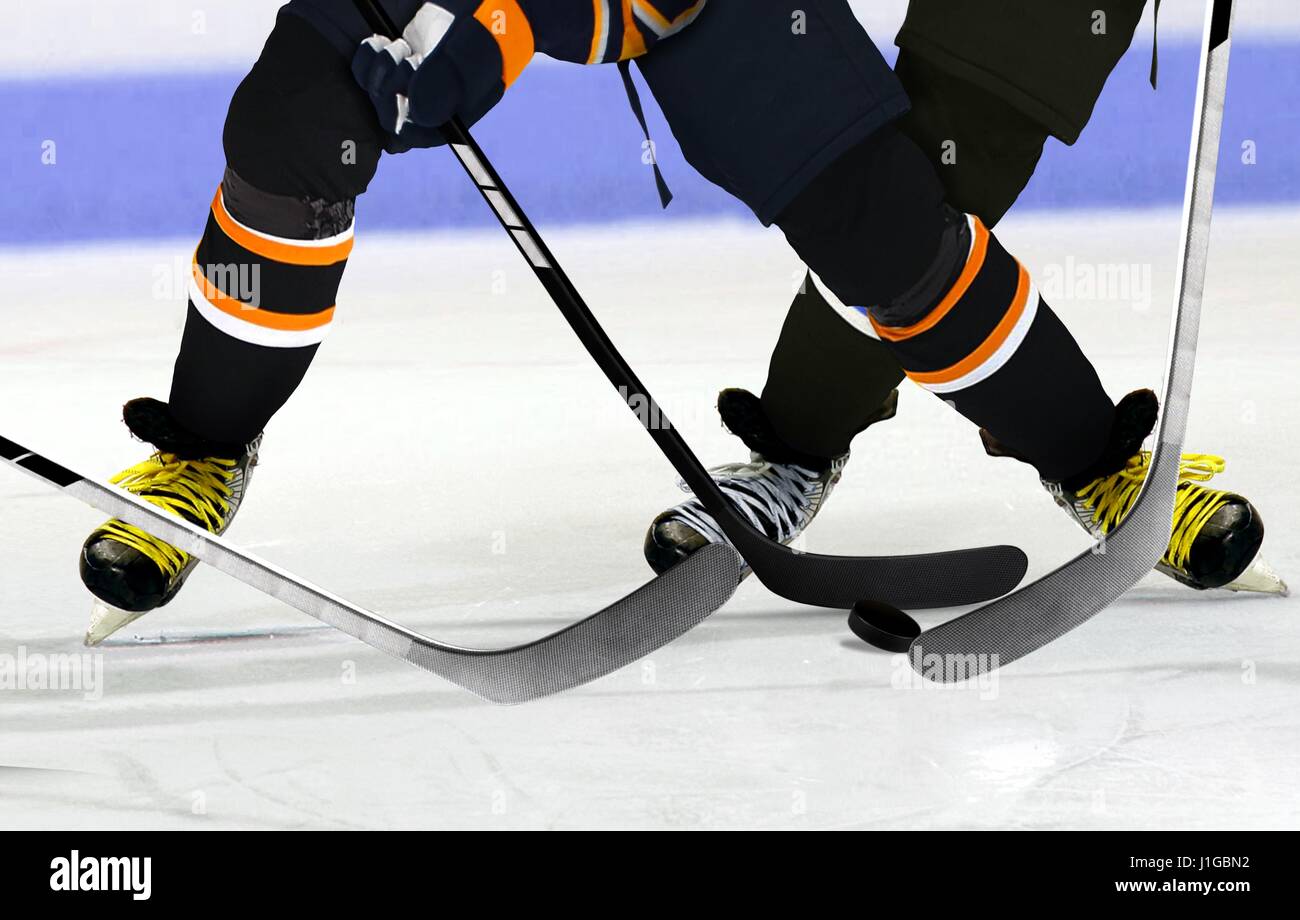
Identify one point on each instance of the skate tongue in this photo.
(106, 620)
(151, 421)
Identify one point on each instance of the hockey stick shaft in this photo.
(925, 580)
(627, 630)
(1009, 628)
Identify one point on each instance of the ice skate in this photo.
(130, 572)
(778, 490)
(1216, 534)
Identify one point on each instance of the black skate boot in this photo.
(1216, 535)
(128, 570)
(779, 491)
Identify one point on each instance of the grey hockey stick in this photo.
(1011, 627)
(647, 619)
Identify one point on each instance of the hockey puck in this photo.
(884, 626)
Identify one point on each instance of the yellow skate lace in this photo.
(197, 490)
(1111, 497)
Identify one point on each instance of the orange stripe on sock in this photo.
(275, 250)
(950, 300)
(288, 322)
(506, 23)
(990, 345)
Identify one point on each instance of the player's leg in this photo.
(858, 200)
(991, 103)
(957, 311)
(301, 143)
(762, 97)
(303, 139)
(986, 92)
(825, 384)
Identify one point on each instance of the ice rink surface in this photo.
(456, 462)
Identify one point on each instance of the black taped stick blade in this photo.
(884, 626)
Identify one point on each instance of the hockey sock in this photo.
(995, 351)
(958, 312)
(301, 143)
(260, 304)
(824, 382)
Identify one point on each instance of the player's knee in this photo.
(870, 225)
(984, 150)
(298, 124)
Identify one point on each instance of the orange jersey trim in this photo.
(633, 41)
(598, 17)
(507, 24)
(661, 21)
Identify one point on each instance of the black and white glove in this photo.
(445, 64)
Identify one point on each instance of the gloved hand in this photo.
(446, 63)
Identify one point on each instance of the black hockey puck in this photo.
(884, 626)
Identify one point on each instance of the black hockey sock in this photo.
(995, 351)
(260, 305)
(958, 312)
(301, 143)
(823, 381)
(827, 381)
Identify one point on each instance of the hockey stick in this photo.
(928, 580)
(647, 619)
(1039, 613)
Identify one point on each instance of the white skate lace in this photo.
(778, 499)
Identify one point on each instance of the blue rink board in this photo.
(139, 156)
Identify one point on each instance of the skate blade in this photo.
(1259, 578)
(106, 620)
(213, 636)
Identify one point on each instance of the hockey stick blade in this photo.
(943, 579)
(643, 621)
(1012, 627)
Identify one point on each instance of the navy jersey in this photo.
(583, 31)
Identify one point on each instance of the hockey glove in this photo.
(445, 64)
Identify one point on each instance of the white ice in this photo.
(456, 462)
